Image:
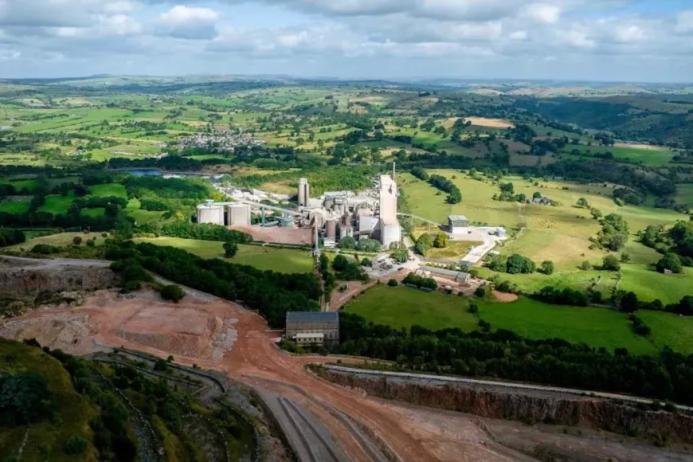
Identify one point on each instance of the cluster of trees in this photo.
(614, 233)
(171, 188)
(426, 241)
(675, 243)
(272, 294)
(507, 193)
(348, 270)
(445, 185)
(439, 182)
(628, 196)
(514, 264)
(565, 296)
(362, 245)
(204, 231)
(10, 236)
(506, 355)
(24, 399)
(420, 282)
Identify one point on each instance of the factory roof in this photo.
(311, 316)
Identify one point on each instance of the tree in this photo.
(547, 267)
(76, 240)
(614, 233)
(611, 263)
(172, 292)
(628, 302)
(441, 241)
(582, 202)
(585, 266)
(423, 243)
(230, 249)
(670, 261)
(348, 243)
(400, 255)
(519, 264)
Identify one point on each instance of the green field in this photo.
(94, 212)
(670, 330)
(597, 327)
(109, 190)
(404, 307)
(558, 233)
(60, 240)
(654, 156)
(44, 439)
(260, 257)
(57, 205)
(15, 206)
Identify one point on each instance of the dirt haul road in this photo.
(217, 334)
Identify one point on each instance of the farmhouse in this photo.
(310, 327)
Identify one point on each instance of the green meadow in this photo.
(559, 233)
(403, 307)
(261, 257)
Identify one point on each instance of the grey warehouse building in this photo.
(312, 327)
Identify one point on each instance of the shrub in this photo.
(172, 292)
(670, 261)
(45, 249)
(24, 398)
(610, 263)
(230, 249)
(9, 236)
(547, 267)
(75, 445)
(392, 283)
(76, 240)
(440, 241)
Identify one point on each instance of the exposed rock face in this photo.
(23, 276)
(524, 405)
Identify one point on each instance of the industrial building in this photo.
(312, 327)
(303, 192)
(224, 214)
(390, 230)
(369, 214)
(458, 224)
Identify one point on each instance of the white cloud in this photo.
(684, 22)
(579, 39)
(518, 35)
(189, 22)
(628, 34)
(543, 13)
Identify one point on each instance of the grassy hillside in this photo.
(260, 257)
(403, 307)
(45, 439)
(559, 233)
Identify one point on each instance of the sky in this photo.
(585, 40)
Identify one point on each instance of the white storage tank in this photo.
(238, 214)
(210, 213)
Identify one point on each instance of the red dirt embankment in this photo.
(220, 335)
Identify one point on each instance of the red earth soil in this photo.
(220, 335)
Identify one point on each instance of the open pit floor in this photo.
(220, 335)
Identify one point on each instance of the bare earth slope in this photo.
(216, 334)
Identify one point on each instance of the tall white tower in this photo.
(390, 231)
(303, 192)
